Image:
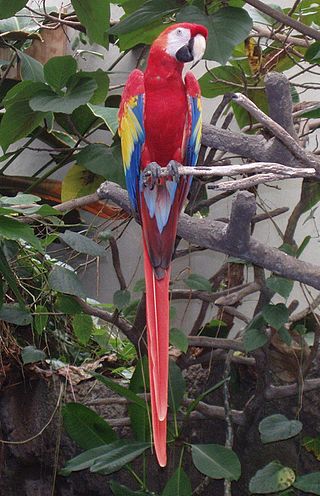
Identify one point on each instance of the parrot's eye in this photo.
(179, 31)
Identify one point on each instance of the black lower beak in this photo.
(185, 53)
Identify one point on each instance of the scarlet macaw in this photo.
(160, 124)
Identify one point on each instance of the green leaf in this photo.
(312, 54)
(108, 114)
(82, 244)
(9, 7)
(140, 285)
(40, 319)
(139, 417)
(82, 327)
(19, 119)
(272, 478)
(118, 456)
(221, 41)
(276, 315)
(145, 35)
(79, 182)
(12, 313)
(177, 386)
(179, 339)
(121, 298)
(102, 82)
(65, 281)
(30, 354)
(277, 427)
(13, 229)
(80, 93)
(254, 339)
(58, 70)
(122, 391)
(285, 335)
(120, 490)
(19, 199)
(221, 80)
(68, 305)
(150, 11)
(280, 285)
(97, 158)
(95, 16)
(309, 483)
(216, 461)
(198, 282)
(178, 485)
(86, 427)
(303, 245)
(30, 68)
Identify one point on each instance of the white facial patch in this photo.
(199, 47)
(177, 39)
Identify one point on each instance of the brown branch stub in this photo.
(239, 227)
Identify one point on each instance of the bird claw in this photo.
(151, 174)
(173, 170)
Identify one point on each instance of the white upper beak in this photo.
(199, 47)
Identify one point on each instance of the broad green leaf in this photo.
(19, 119)
(86, 427)
(47, 100)
(312, 54)
(68, 305)
(10, 277)
(121, 298)
(310, 194)
(139, 383)
(30, 68)
(145, 35)
(309, 483)
(198, 282)
(178, 485)
(216, 461)
(19, 199)
(10, 7)
(120, 490)
(280, 285)
(303, 245)
(276, 315)
(30, 354)
(102, 82)
(139, 286)
(177, 386)
(221, 41)
(179, 339)
(97, 158)
(108, 114)
(121, 390)
(82, 327)
(79, 182)
(221, 80)
(12, 313)
(254, 339)
(277, 427)
(13, 229)
(88, 457)
(118, 456)
(65, 281)
(272, 478)
(58, 70)
(95, 16)
(40, 319)
(82, 244)
(150, 11)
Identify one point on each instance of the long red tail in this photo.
(157, 294)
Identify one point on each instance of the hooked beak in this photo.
(193, 51)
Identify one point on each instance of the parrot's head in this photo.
(185, 42)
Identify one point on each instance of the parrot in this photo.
(160, 123)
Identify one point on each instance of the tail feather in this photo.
(158, 343)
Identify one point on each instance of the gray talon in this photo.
(173, 170)
(151, 174)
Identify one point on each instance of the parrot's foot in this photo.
(173, 170)
(151, 174)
